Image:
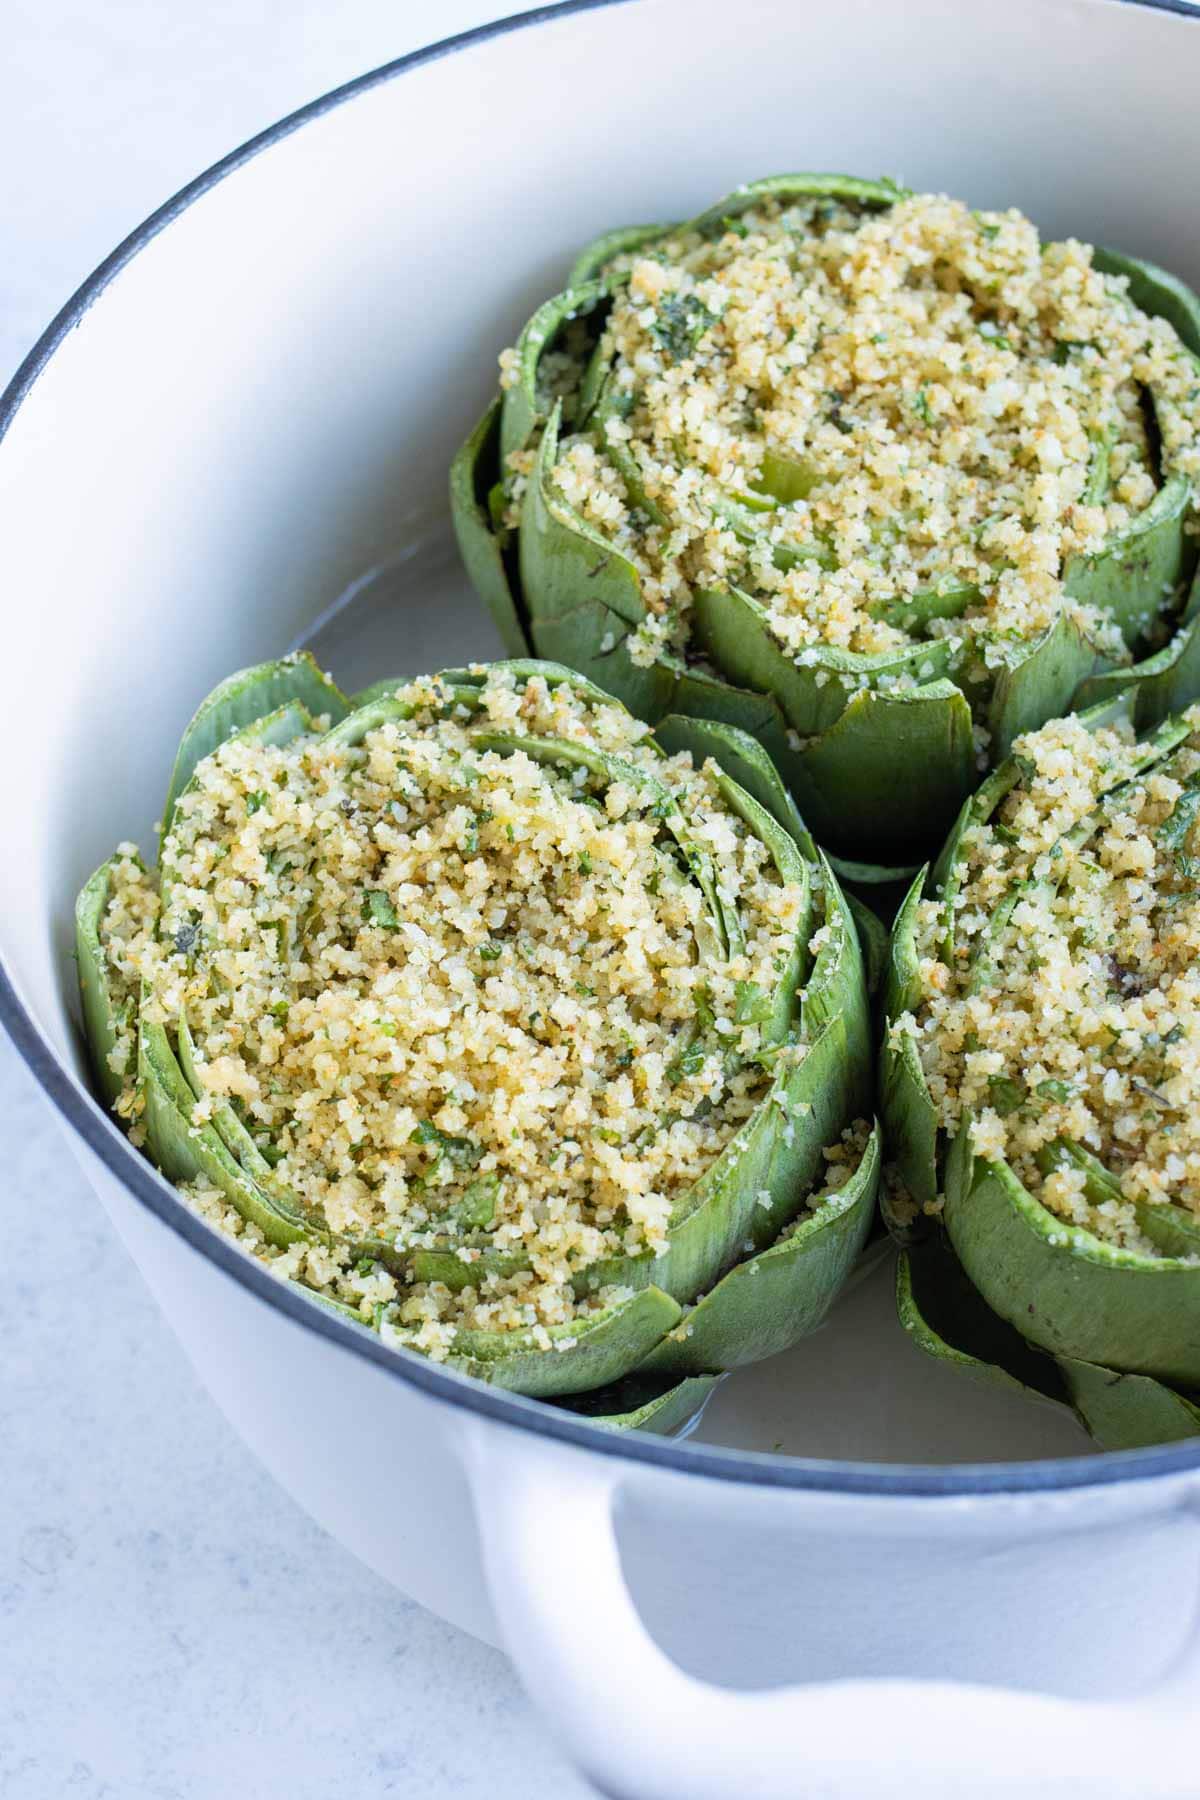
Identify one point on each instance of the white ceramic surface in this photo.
(260, 405)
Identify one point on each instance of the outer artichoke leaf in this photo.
(945, 1316)
(909, 1116)
(872, 875)
(489, 556)
(1161, 684)
(1066, 1291)
(837, 989)
(378, 690)
(1155, 291)
(731, 626)
(523, 407)
(523, 669)
(744, 760)
(229, 1128)
(280, 727)
(1129, 578)
(898, 765)
(872, 941)
(184, 1150)
(99, 1012)
(601, 250)
(640, 1403)
(1171, 1229)
(1128, 1412)
(769, 1302)
(758, 1183)
(582, 597)
(698, 693)
(589, 1352)
(1039, 684)
(794, 187)
(243, 698)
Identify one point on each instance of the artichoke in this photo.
(1040, 1078)
(879, 481)
(531, 1040)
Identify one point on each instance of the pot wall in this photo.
(1084, 1592)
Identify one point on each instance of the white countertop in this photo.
(171, 1626)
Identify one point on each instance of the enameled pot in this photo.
(248, 407)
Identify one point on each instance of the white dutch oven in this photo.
(255, 400)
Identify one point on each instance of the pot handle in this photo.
(642, 1729)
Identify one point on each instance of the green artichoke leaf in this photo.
(1134, 576)
(945, 1317)
(1158, 685)
(95, 991)
(602, 250)
(278, 727)
(1065, 1290)
(1038, 683)
(770, 1301)
(853, 775)
(744, 760)
(583, 598)
(1128, 1412)
(804, 186)
(488, 554)
(240, 701)
(1155, 291)
(184, 1149)
(449, 1268)
(523, 407)
(589, 1352)
(639, 1403)
(909, 1115)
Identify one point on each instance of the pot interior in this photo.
(254, 405)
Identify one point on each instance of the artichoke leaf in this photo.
(242, 699)
(770, 1301)
(848, 188)
(1155, 291)
(523, 407)
(909, 1116)
(945, 1317)
(488, 555)
(185, 1150)
(95, 990)
(1065, 1290)
(640, 1403)
(589, 1352)
(1128, 1412)
(1038, 683)
(592, 259)
(1137, 570)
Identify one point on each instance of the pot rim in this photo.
(102, 1136)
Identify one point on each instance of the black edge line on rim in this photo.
(152, 1190)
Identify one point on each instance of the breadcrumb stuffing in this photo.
(897, 403)
(465, 997)
(1069, 1005)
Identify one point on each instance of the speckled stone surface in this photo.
(171, 1626)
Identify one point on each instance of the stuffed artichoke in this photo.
(520, 1035)
(878, 479)
(1041, 1078)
